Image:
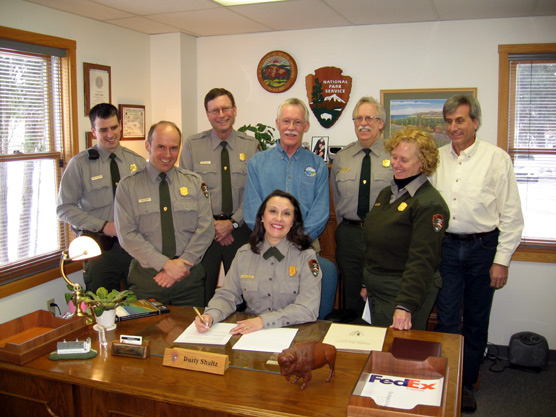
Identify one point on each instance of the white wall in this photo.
(423, 55)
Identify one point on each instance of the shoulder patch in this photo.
(205, 190)
(314, 267)
(437, 222)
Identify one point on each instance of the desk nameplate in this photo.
(194, 360)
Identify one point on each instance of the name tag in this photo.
(144, 200)
(205, 162)
(345, 170)
(98, 177)
(248, 276)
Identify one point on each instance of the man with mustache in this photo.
(291, 168)
(350, 175)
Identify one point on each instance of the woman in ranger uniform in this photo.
(276, 273)
(403, 235)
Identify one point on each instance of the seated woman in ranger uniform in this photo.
(276, 273)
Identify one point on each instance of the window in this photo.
(527, 130)
(37, 102)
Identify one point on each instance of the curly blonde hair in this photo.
(426, 148)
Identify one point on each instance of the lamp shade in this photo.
(83, 247)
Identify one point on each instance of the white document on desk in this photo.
(266, 340)
(219, 334)
(355, 338)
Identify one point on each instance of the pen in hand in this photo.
(201, 317)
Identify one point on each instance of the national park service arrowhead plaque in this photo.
(328, 93)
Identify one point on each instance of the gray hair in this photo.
(371, 100)
(294, 102)
(454, 102)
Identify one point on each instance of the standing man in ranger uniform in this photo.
(220, 156)
(164, 221)
(86, 197)
(359, 172)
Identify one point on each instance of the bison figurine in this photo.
(304, 357)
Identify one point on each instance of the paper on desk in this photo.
(266, 340)
(219, 334)
(355, 338)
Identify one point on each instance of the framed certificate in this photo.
(133, 121)
(98, 89)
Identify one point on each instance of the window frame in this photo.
(70, 146)
(527, 252)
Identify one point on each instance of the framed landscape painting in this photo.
(421, 108)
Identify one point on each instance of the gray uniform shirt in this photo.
(86, 198)
(281, 293)
(346, 173)
(137, 216)
(201, 154)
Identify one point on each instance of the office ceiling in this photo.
(208, 18)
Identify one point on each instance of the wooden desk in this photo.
(118, 386)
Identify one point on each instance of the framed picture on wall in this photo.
(133, 121)
(98, 88)
(421, 108)
(319, 146)
(90, 140)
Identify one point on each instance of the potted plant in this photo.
(103, 304)
(263, 133)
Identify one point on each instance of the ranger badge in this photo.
(386, 163)
(437, 222)
(314, 267)
(184, 191)
(292, 270)
(132, 168)
(242, 157)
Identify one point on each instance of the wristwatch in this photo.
(234, 223)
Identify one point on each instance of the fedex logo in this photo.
(406, 382)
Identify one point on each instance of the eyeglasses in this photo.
(216, 112)
(368, 119)
(296, 123)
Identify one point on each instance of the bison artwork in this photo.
(274, 72)
(304, 357)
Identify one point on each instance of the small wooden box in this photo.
(386, 363)
(36, 334)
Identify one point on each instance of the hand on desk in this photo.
(203, 327)
(248, 326)
(401, 320)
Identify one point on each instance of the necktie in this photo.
(273, 251)
(227, 202)
(166, 220)
(114, 172)
(364, 186)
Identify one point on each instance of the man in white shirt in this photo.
(478, 183)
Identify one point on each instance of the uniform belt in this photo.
(470, 236)
(353, 222)
(221, 217)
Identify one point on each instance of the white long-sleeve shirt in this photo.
(480, 189)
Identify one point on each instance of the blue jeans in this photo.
(465, 271)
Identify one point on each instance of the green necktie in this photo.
(273, 251)
(114, 172)
(227, 202)
(364, 186)
(166, 220)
